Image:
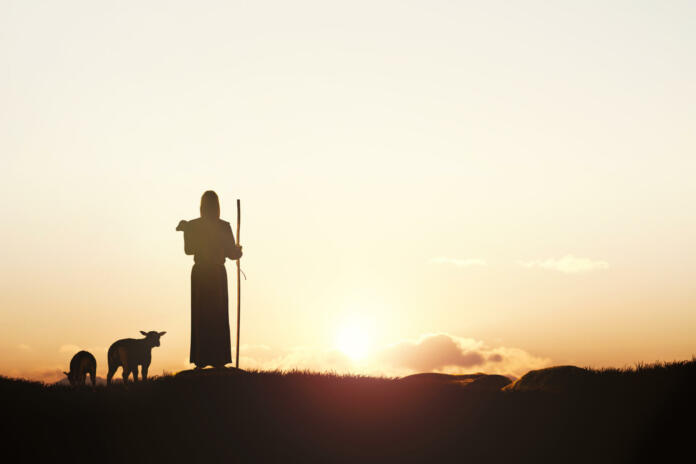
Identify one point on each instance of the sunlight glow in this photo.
(353, 339)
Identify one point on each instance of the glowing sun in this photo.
(353, 340)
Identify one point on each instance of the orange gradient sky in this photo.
(450, 186)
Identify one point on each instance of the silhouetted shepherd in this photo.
(81, 364)
(130, 353)
(210, 240)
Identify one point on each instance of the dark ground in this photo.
(639, 415)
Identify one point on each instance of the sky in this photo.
(425, 186)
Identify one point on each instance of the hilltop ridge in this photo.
(310, 417)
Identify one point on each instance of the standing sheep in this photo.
(130, 353)
(81, 364)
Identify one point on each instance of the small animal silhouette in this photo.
(130, 353)
(81, 364)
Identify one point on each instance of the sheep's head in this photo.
(152, 337)
(72, 377)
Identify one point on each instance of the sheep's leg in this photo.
(126, 371)
(143, 371)
(135, 373)
(93, 378)
(110, 374)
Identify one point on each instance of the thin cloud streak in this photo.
(568, 264)
(469, 262)
(43, 374)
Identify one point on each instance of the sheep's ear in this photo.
(144, 333)
(162, 333)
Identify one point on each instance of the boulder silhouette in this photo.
(436, 377)
(489, 383)
(556, 379)
(473, 382)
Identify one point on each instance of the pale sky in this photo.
(433, 185)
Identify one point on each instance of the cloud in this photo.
(431, 352)
(46, 374)
(23, 347)
(469, 262)
(568, 264)
(438, 352)
(49, 375)
(457, 355)
(255, 350)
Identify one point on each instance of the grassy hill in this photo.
(629, 415)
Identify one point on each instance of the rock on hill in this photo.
(553, 379)
(474, 382)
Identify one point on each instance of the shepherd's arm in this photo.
(189, 247)
(232, 250)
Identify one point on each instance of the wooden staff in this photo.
(239, 288)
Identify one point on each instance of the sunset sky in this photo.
(425, 185)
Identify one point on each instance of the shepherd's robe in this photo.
(210, 241)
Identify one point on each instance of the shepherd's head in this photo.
(210, 205)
